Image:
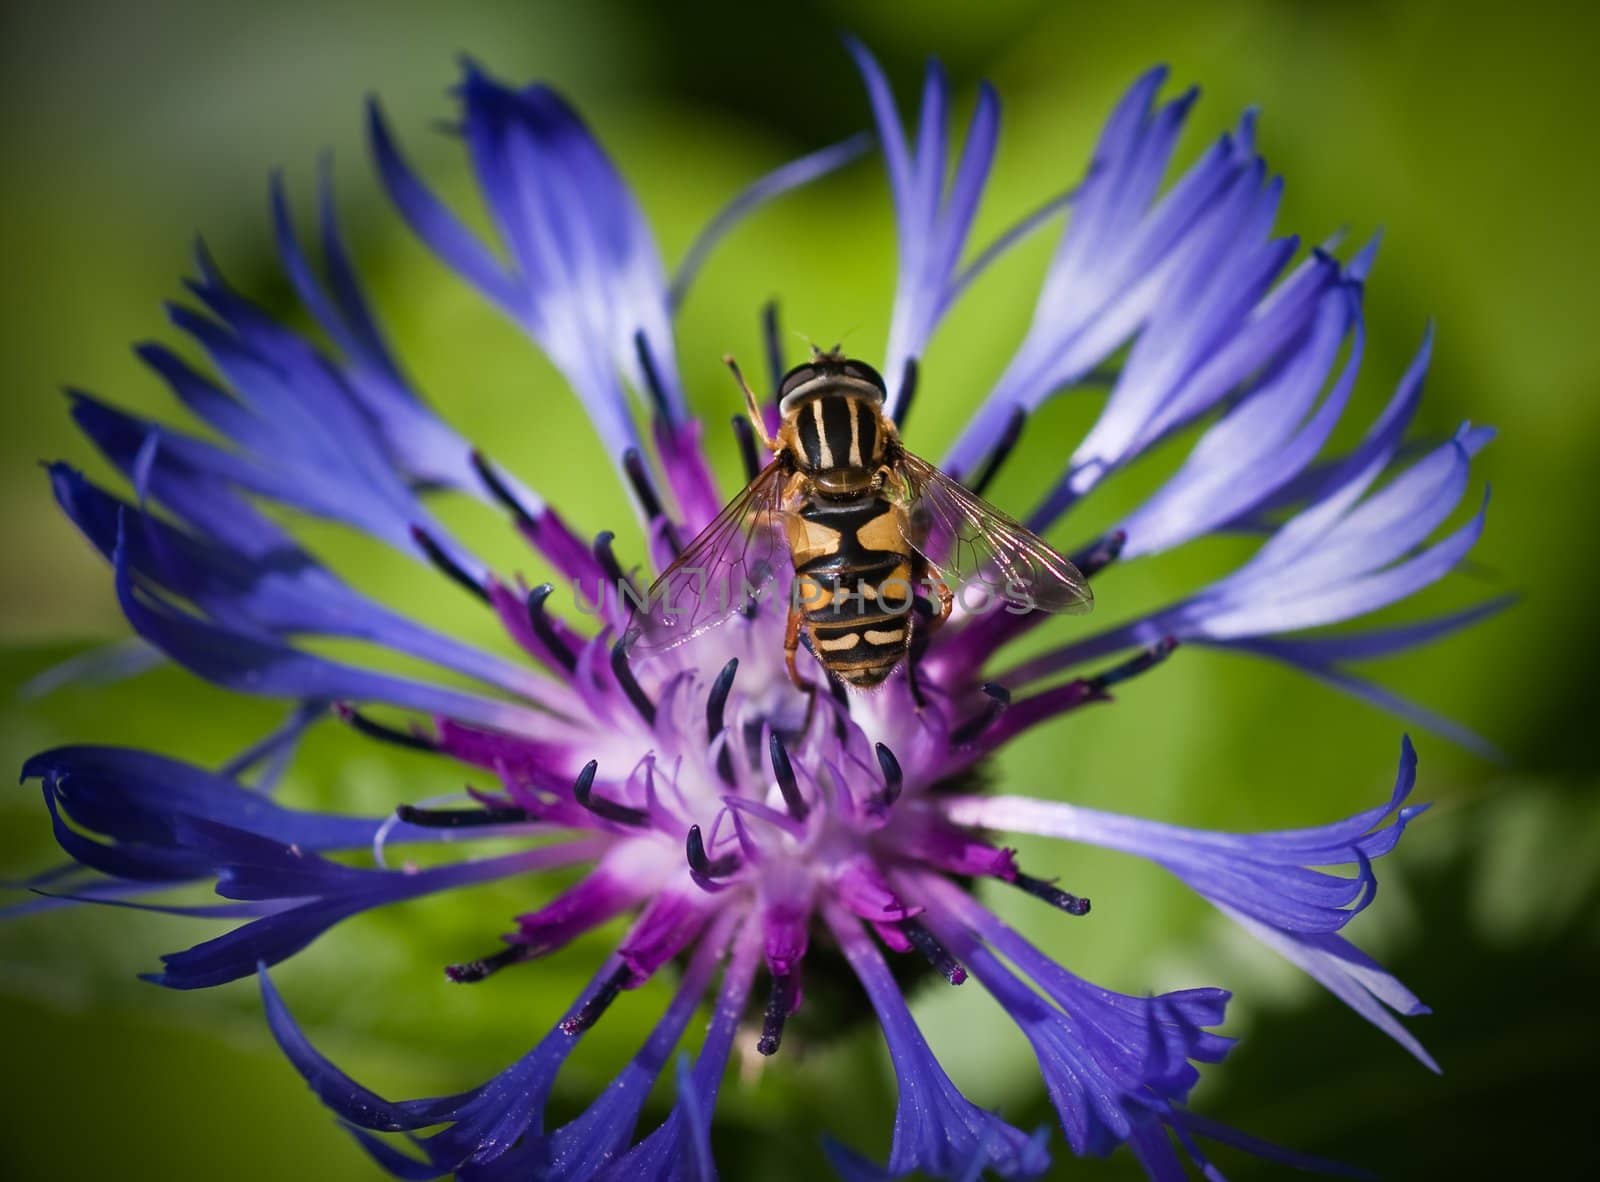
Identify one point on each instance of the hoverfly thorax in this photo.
(834, 430)
(875, 535)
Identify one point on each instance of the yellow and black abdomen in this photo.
(854, 583)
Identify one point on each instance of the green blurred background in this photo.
(1465, 130)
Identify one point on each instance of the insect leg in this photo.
(915, 647)
(791, 644)
(947, 597)
(918, 620)
(752, 405)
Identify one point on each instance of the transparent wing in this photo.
(718, 572)
(967, 538)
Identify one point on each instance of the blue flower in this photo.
(749, 832)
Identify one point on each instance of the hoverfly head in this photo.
(830, 373)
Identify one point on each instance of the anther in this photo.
(1149, 659)
(470, 972)
(1051, 894)
(623, 672)
(611, 568)
(774, 344)
(652, 376)
(694, 847)
(639, 481)
(610, 810)
(1002, 450)
(498, 489)
(717, 699)
(465, 818)
(787, 784)
(716, 707)
(746, 435)
(760, 571)
(999, 698)
(842, 699)
(539, 620)
(893, 778)
(1096, 556)
(921, 635)
(933, 952)
(387, 734)
(445, 564)
(779, 1001)
(591, 1010)
(908, 391)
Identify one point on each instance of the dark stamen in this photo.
(539, 619)
(652, 376)
(590, 1013)
(387, 734)
(498, 490)
(694, 845)
(787, 784)
(760, 571)
(717, 699)
(746, 435)
(967, 732)
(716, 704)
(841, 716)
(465, 818)
(611, 568)
(445, 564)
(623, 672)
(472, 971)
(1096, 556)
(1051, 894)
(639, 481)
(893, 778)
(774, 343)
(779, 1002)
(933, 952)
(920, 637)
(1149, 659)
(908, 391)
(1002, 450)
(622, 814)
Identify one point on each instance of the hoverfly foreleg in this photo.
(791, 645)
(917, 619)
(941, 587)
(922, 622)
(752, 404)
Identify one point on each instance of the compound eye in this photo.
(798, 376)
(865, 372)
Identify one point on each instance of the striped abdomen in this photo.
(854, 576)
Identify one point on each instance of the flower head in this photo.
(746, 829)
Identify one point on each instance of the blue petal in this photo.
(779, 181)
(1111, 1063)
(933, 223)
(1259, 446)
(421, 446)
(255, 663)
(269, 584)
(255, 868)
(937, 1130)
(678, 1149)
(1265, 882)
(579, 1149)
(586, 280)
(101, 665)
(1120, 268)
(134, 795)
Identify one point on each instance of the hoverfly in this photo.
(865, 523)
